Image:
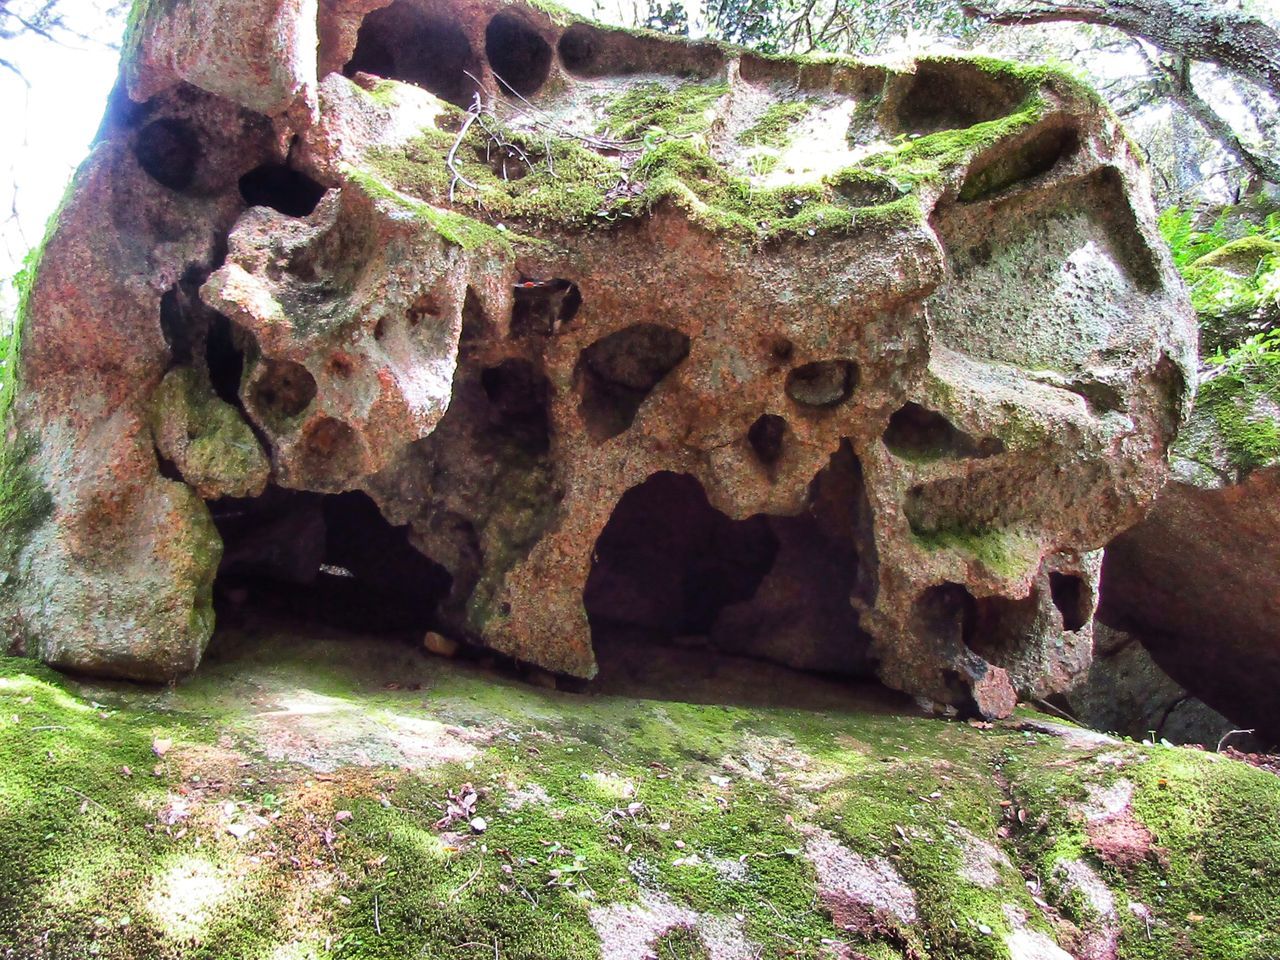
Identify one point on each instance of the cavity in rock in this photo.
(282, 188)
(518, 56)
(617, 372)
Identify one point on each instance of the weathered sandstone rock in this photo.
(850, 367)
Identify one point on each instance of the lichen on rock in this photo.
(532, 285)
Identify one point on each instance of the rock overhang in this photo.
(497, 267)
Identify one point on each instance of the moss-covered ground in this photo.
(292, 801)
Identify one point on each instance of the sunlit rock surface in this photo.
(629, 338)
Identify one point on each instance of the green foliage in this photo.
(1235, 290)
(1234, 281)
(843, 26)
(1242, 394)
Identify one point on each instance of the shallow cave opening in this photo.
(518, 55)
(668, 562)
(669, 570)
(402, 42)
(328, 559)
(280, 187)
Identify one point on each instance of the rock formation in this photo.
(849, 366)
(1196, 580)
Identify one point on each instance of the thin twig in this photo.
(450, 161)
(470, 880)
(1046, 705)
(1230, 733)
(377, 919)
(87, 798)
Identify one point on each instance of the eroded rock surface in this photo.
(623, 348)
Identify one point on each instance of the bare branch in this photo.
(1191, 28)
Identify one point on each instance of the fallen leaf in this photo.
(161, 745)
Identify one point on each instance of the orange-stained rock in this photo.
(862, 395)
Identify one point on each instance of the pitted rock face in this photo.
(846, 367)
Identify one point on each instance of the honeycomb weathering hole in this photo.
(1071, 598)
(169, 151)
(543, 306)
(667, 562)
(282, 188)
(1006, 166)
(823, 383)
(952, 96)
(578, 48)
(331, 449)
(917, 433)
(766, 437)
(617, 373)
(283, 389)
(401, 42)
(517, 54)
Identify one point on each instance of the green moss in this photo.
(773, 127)
(651, 111)
(454, 227)
(590, 802)
(1004, 552)
(24, 501)
(1241, 409)
(221, 448)
(1243, 256)
(1208, 886)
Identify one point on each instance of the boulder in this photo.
(859, 364)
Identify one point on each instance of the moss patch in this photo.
(774, 126)
(290, 802)
(1003, 552)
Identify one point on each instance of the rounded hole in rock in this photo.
(953, 95)
(169, 151)
(401, 42)
(542, 306)
(617, 372)
(518, 395)
(333, 560)
(283, 389)
(918, 433)
(578, 48)
(1071, 598)
(766, 437)
(281, 188)
(823, 383)
(518, 55)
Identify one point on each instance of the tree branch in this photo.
(1178, 79)
(1192, 28)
